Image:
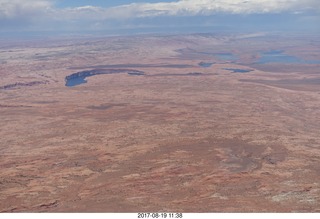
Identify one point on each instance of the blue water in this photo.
(237, 70)
(75, 81)
(278, 56)
(78, 78)
(222, 56)
(205, 64)
(136, 73)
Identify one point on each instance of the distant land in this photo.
(197, 122)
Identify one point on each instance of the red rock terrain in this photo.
(180, 138)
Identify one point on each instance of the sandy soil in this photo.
(180, 138)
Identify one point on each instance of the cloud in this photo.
(182, 8)
(19, 9)
(37, 14)
(209, 7)
(12, 9)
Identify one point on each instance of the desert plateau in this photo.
(161, 123)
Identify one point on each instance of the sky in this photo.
(157, 16)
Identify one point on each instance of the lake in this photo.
(237, 70)
(205, 64)
(278, 56)
(78, 78)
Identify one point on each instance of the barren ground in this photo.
(180, 138)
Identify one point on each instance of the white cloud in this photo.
(184, 8)
(206, 7)
(10, 9)
(43, 14)
(19, 9)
